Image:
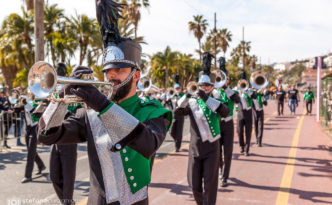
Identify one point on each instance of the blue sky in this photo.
(279, 30)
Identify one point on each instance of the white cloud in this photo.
(280, 30)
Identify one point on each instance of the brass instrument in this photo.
(171, 91)
(192, 88)
(258, 80)
(14, 96)
(43, 80)
(221, 78)
(243, 85)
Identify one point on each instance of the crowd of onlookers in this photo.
(11, 115)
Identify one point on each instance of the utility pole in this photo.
(39, 29)
(243, 50)
(215, 41)
(319, 80)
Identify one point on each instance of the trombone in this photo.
(43, 80)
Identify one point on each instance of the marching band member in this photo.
(33, 112)
(244, 119)
(228, 97)
(63, 160)
(204, 152)
(177, 128)
(258, 116)
(122, 133)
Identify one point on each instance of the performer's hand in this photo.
(91, 96)
(77, 73)
(202, 95)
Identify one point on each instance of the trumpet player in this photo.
(204, 112)
(228, 97)
(177, 127)
(122, 132)
(244, 119)
(63, 160)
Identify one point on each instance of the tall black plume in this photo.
(108, 13)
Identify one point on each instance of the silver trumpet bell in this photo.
(192, 88)
(258, 80)
(43, 80)
(243, 85)
(221, 78)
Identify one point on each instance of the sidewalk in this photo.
(292, 167)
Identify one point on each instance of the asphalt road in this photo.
(40, 190)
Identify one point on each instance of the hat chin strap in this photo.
(125, 81)
(209, 91)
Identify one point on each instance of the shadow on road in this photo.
(178, 189)
(306, 195)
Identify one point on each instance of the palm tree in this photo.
(198, 27)
(85, 31)
(133, 13)
(127, 30)
(187, 67)
(224, 37)
(16, 48)
(241, 51)
(52, 23)
(162, 62)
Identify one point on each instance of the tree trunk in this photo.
(39, 30)
(9, 74)
(200, 52)
(166, 77)
(29, 4)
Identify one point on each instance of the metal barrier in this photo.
(326, 102)
(11, 126)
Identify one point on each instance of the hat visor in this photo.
(205, 83)
(116, 65)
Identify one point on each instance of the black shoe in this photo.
(40, 170)
(246, 154)
(7, 146)
(26, 179)
(177, 150)
(259, 144)
(242, 150)
(224, 183)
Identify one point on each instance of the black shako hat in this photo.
(118, 52)
(61, 69)
(205, 76)
(177, 81)
(222, 65)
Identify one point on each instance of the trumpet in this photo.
(243, 85)
(258, 80)
(192, 88)
(171, 91)
(43, 80)
(221, 78)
